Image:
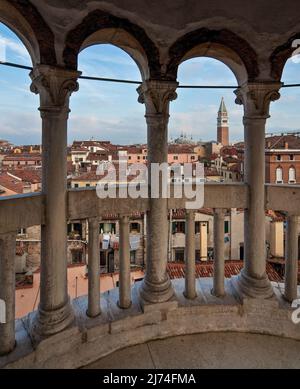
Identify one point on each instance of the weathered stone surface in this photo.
(92, 339)
(207, 351)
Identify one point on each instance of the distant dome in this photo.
(184, 139)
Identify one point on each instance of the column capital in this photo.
(55, 86)
(157, 95)
(256, 98)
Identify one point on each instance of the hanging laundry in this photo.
(105, 242)
(135, 242)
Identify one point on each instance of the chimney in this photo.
(286, 145)
(268, 144)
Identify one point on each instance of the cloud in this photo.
(20, 127)
(18, 49)
(122, 130)
(205, 71)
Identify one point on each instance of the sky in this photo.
(110, 111)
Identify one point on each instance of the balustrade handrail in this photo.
(26, 210)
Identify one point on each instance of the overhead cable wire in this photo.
(104, 79)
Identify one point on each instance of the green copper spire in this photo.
(222, 108)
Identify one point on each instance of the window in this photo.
(226, 227)
(22, 231)
(292, 157)
(135, 227)
(292, 175)
(175, 157)
(133, 257)
(76, 185)
(76, 256)
(178, 227)
(279, 179)
(179, 255)
(129, 157)
(138, 157)
(88, 185)
(278, 157)
(102, 259)
(192, 157)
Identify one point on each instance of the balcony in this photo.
(197, 306)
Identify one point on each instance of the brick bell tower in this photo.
(223, 124)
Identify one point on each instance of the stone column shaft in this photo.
(94, 309)
(156, 95)
(190, 263)
(219, 260)
(7, 292)
(54, 85)
(256, 98)
(125, 274)
(291, 259)
(255, 230)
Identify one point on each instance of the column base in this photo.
(154, 293)
(7, 348)
(253, 287)
(47, 323)
(217, 294)
(190, 296)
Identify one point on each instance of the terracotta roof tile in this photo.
(10, 183)
(26, 175)
(206, 269)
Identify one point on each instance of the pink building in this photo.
(182, 154)
(177, 153)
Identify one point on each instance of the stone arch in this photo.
(25, 21)
(102, 27)
(222, 45)
(280, 56)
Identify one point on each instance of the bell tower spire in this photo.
(223, 124)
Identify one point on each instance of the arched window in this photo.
(279, 178)
(292, 175)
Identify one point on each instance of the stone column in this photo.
(7, 292)
(54, 85)
(94, 309)
(219, 247)
(156, 95)
(125, 274)
(291, 259)
(190, 264)
(256, 98)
